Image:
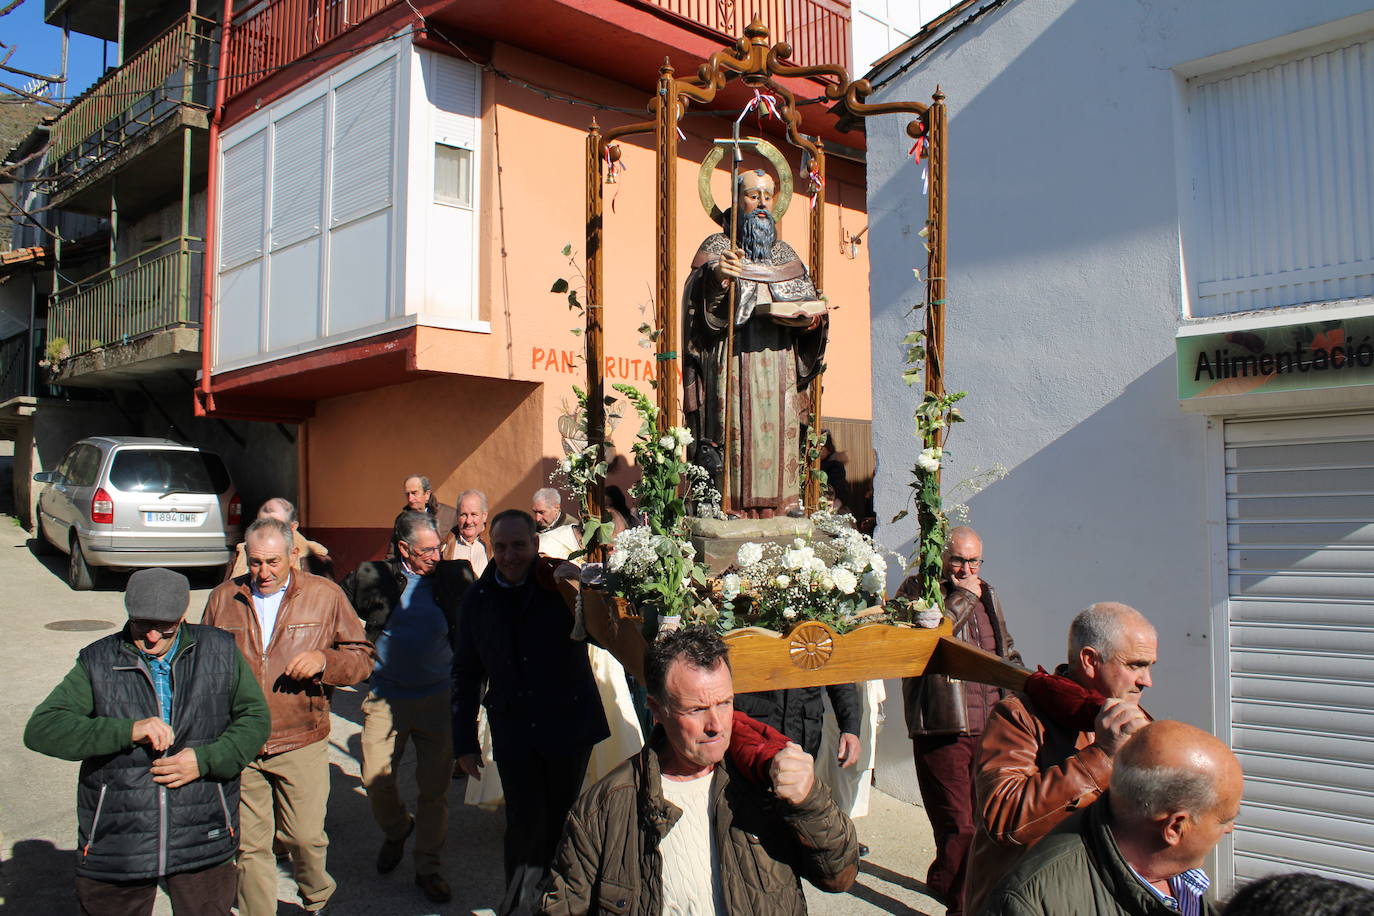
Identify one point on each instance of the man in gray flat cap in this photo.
(163, 716)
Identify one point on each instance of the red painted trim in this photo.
(203, 402)
(353, 351)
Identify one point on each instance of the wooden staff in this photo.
(735, 143)
(726, 503)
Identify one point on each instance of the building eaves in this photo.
(931, 36)
(10, 260)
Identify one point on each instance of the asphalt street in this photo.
(43, 620)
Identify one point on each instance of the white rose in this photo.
(789, 614)
(749, 554)
(683, 435)
(826, 583)
(878, 563)
(668, 442)
(873, 581)
(929, 460)
(797, 558)
(729, 587)
(844, 580)
(782, 581)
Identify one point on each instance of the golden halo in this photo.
(770, 152)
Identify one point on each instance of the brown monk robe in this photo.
(780, 337)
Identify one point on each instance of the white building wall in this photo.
(1065, 293)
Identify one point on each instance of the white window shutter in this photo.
(244, 200)
(453, 92)
(363, 143)
(298, 175)
(1283, 179)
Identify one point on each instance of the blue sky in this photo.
(38, 49)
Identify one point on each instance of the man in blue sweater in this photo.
(409, 606)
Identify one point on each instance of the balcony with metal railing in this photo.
(611, 37)
(130, 112)
(137, 318)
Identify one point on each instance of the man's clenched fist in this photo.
(793, 773)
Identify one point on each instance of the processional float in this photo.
(811, 653)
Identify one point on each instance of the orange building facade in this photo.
(392, 215)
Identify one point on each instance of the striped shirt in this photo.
(1185, 891)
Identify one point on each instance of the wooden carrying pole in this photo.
(937, 201)
(817, 257)
(666, 291)
(593, 334)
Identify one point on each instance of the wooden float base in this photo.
(811, 654)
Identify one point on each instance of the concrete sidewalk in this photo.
(37, 794)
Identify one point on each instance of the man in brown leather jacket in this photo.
(1032, 771)
(945, 717)
(300, 637)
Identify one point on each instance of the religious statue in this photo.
(762, 366)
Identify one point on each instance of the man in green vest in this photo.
(163, 717)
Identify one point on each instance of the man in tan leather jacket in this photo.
(1032, 772)
(300, 637)
(945, 718)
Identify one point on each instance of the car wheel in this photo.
(81, 575)
(41, 545)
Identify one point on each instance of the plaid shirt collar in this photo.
(160, 667)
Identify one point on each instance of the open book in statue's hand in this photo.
(798, 314)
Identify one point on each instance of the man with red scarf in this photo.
(1042, 758)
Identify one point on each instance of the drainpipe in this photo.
(205, 397)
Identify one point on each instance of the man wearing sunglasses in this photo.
(946, 717)
(163, 717)
(409, 606)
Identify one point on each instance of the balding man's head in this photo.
(963, 558)
(1112, 648)
(1175, 792)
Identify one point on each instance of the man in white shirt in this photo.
(465, 542)
(301, 638)
(647, 839)
(559, 536)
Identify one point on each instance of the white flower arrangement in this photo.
(832, 579)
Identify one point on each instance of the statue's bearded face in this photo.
(756, 230)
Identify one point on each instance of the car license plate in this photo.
(171, 518)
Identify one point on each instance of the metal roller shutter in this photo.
(1300, 538)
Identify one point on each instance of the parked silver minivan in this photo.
(127, 502)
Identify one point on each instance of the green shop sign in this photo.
(1290, 357)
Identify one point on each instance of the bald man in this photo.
(1174, 793)
(945, 718)
(1033, 770)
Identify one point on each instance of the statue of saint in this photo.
(778, 347)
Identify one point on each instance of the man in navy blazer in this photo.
(542, 704)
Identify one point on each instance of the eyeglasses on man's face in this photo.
(970, 562)
(423, 551)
